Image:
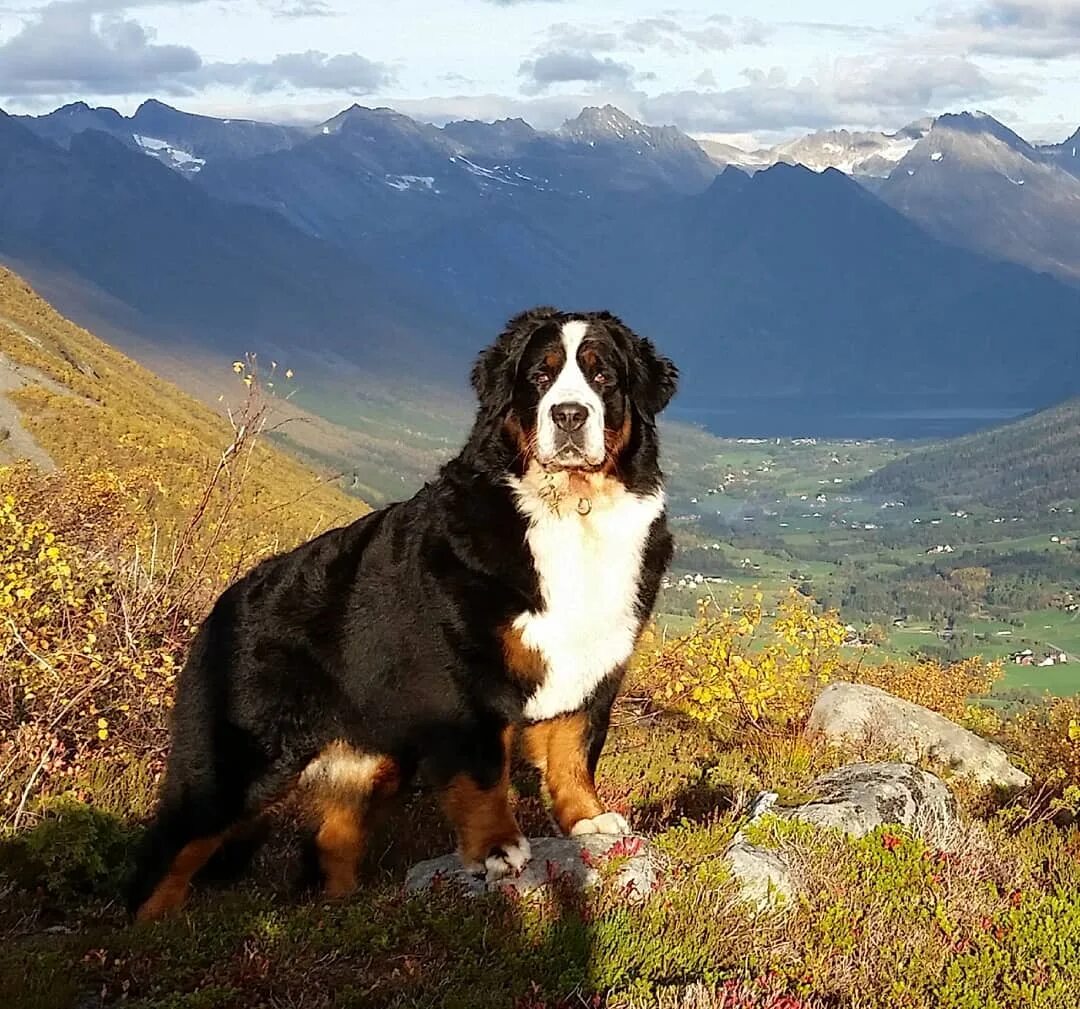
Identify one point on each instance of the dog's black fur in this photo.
(385, 634)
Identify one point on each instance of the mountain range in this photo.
(375, 245)
(866, 154)
(966, 178)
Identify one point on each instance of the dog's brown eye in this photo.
(543, 380)
(600, 378)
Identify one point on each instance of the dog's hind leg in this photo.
(192, 825)
(342, 784)
(176, 846)
(236, 853)
(213, 792)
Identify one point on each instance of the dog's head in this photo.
(572, 391)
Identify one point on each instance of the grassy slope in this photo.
(1029, 464)
(102, 411)
(881, 926)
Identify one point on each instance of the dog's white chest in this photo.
(589, 567)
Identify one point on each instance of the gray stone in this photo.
(763, 876)
(859, 798)
(856, 799)
(859, 714)
(554, 858)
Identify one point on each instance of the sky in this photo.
(746, 72)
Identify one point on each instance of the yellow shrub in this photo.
(88, 660)
(735, 666)
(943, 687)
(1048, 739)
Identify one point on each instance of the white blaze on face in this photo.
(571, 386)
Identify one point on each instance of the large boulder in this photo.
(583, 862)
(856, 799)
(859, 798)
(853, 713)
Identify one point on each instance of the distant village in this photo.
(1028, 658)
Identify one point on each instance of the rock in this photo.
(860, 798)
(763, 876)
(577, 860)
(856, 799)
(855, 713)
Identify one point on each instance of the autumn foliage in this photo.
(735, 665)
(102, 584)
(739, 664)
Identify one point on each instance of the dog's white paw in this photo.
(605, 823)
(505, 860)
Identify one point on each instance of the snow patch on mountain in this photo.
(174, 157)
(502, 174)
(422, 182)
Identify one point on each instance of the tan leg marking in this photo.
(169, 895)
(483, 820)
(558, 748)
(340, 842)
(342, 783)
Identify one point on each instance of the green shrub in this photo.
(74, 849)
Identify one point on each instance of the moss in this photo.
(1028, 956)
(74, 850)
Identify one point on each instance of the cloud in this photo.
(569, 54)
(307, 71)
(857, 33)
(563, 35)
(299, 8)
(671, 36)
(566, 66)
(1033, 29)
(715, 33)
(867, 92)
(90, 47)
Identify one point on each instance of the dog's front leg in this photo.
(564, 750)
(477, 803)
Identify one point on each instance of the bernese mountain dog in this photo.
(504, 599)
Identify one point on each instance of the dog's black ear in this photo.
(495, 371)
(653, 377)
(658, 378)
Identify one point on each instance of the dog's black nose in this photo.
(569, 416)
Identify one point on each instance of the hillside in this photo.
(192, 270)
(97, 612)
(1024, 467)
(83, 407)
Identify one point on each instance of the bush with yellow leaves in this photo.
(88, 660)
(735, 667)
(945, 687)
(98, 603)
(1047, 737)
(739, 666)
